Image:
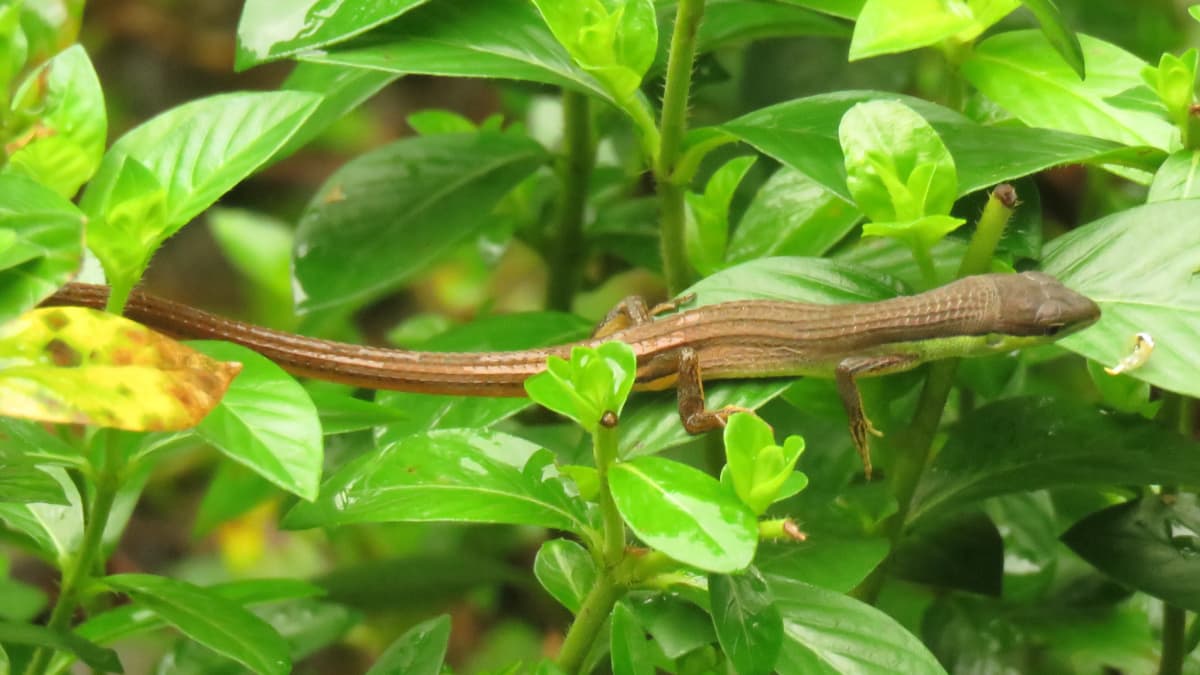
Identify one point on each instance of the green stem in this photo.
(672, 128)
(604, 593)
(566, 258)
(595, 609)
(916, 442)
(77, 571)
(1174, 627)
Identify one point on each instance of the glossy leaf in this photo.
(1060, 35)
(233, 491)
(1023, 444)
(342, 90)
(420, 651)
(566, 570)
(885, 27)
(613, 41)
(343, 413)
(757, 467)
(803, 133)
(199, 150)
(37, 636)
(748, 623)
(684, 513)
(466, 38)
(423, 580)
(827, 632)
(206, 617)
(259, 246)
(45, 244)
(63, 147)
(450, 475)
(650, 423)
(56, 530)
(1154, 292)
(628, 649)
(897, 167)
(81, 366)
(963, 552)
(1177, 178)
(708, 224)
(594, 382)
(269, 30)
(1025, 75)
(678, 627)
(387, 215)
(425, 412)
(791, 215)
(266, 422)
(133, 219)
(1149, 544)
(832, 561)
(26, 484)
(734, 22)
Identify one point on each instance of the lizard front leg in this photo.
(846, 375)
(632, 311)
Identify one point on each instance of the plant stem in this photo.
(566, 256)
(916, 441)
(672, 128)
(77, 570)
(1174, 626)
(595, 609)
(604, 593)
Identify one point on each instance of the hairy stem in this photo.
(566, 255)
(672, 128)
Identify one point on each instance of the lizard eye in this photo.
(1054, 328)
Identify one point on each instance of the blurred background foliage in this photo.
(154, 54)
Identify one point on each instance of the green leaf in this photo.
(436, 121)
(1024, 444)
(341, 413)
(206, 617)
(897, 167)
(450, 475)
(734, 22)
(1149, 544)
(803, 133)
(963, 552)
(27, 484)
(466, 38)
(269, 30)
(425, 412)
(708, 226)
(420, 651)
(1025, 75)
(233, 491)
(45, 247)
(921, 234)
(678, 627)
(757, 467)
(630, 653)
(259, 246)
(832, 561)
(827, 632)
(417, 581)
(14, 47)
(63, 147)
(566, 570)
(201, 149)
(791, 214)
(342, 90)
(37, 636)
(266, 422)
(886, 27)
(55, 530)
(1177, 177)
(1174, 80)
(1154, 292)
(129, 224)
(748, 623)
(684, 513)
(81, 366)
(613, 40)
(387, 215)
(596, 381)
(651, 422)
(1061, 37)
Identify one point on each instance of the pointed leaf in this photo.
(1060, 35)
(389, 214)
(629, 651)
(748, 623)
(420, 651)
(266, 421)
(1149, 544)
(56, 530)
(684, 513)
(45, 244)
(81, 366)
(791, 215)
(37, 636)
(206, 617)
(450, 475)
(26, 484)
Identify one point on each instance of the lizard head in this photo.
(1035, 304)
